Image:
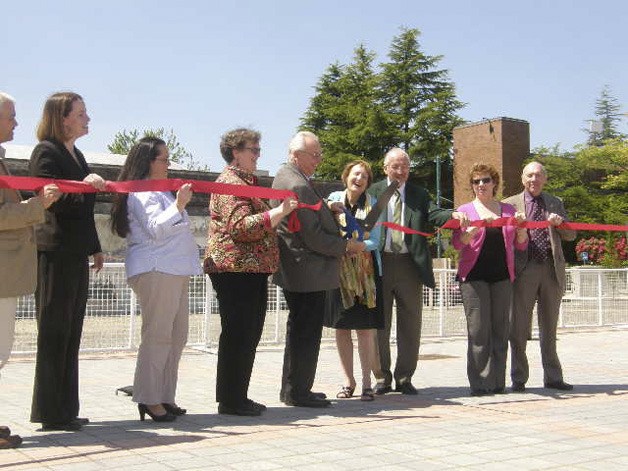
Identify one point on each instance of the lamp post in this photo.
(438, 237)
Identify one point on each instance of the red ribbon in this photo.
(511, 221)
(170, 184)
(247, 191)
(294, 225)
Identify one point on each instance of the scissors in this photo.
(359, 229)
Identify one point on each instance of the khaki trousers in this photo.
(537, 283)
(163, 299)
(8, 306)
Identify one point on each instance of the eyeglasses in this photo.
(316, 155)
(398, 168)
(254, 150)
(485, 180)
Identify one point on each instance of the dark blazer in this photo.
(420, 214)
(69, 225)
(309, 260)
(552, 205)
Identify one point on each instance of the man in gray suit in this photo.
(540, 278)
(18, 252)
(309, 265)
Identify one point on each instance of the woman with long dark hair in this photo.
(161, 256)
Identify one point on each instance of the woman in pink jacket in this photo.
(486, 271)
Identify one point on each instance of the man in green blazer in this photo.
(406, 267)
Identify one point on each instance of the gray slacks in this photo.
(536, 283)
(163, 299)
(487, 309)
(401, 282)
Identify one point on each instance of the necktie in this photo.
(539, 238)
(396, 238)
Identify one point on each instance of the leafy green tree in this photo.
(124, 140)
(593, 183)
(608, 114)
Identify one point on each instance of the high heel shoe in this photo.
(174, 410)
(143, 410)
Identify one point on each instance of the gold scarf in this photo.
(357, 272)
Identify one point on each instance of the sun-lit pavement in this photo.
(441, 428)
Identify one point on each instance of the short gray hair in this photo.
(395, 150)
(297, 143)
(534, 162)
(6, 98)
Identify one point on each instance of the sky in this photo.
(202, 67)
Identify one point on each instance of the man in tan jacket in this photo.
(17, 247)
(540, 278)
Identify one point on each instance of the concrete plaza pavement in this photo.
(441, 428)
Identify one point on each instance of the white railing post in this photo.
(441, 302)
(208, 308)
(600, 310)
(277, 310)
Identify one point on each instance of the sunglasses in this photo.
(477, 181)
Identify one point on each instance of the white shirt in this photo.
(160, 237)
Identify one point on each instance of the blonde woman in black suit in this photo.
(64, 242)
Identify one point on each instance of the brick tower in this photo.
(502, 142)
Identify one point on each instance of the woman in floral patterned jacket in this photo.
(241, 253)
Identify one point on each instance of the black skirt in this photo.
(357, 316)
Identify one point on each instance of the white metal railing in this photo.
(594, 297)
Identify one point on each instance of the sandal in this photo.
(346, 392)
(367, 395)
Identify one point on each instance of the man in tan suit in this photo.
(17, 247)
(540, 278)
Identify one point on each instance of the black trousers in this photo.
(61, 297)
(242, 301)
(303, 341)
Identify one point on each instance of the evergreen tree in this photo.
(607, 112)
(346, 116)
(421, 104)
(359, 111)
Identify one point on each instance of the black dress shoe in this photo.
(256, 405)
(518, 387)
(246, 410)
(5, 431)
(481, 392)
(308, 402)
(560, 385)
(81, 420)
(381, 388)
(165, 417)
(174, 410)
(501, 390)
(10, 441)
(65, 426)
(407, 388)
(318, 395)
